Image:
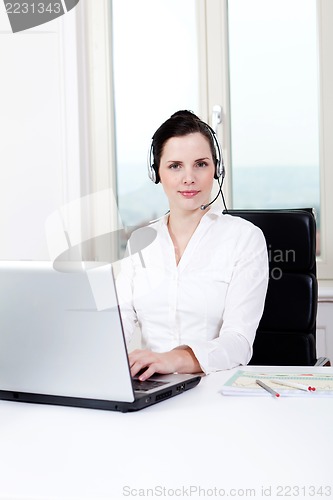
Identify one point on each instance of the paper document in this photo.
(307, 384)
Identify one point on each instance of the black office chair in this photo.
(287, 331)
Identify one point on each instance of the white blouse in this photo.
(212, 301)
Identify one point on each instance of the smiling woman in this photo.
(187, 171)
(197, 291)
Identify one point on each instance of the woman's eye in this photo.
(174, 166)
(201, 164)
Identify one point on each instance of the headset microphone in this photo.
(203, 207)
(220, 182)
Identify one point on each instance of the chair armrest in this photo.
(323, 361)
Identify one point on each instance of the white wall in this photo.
(39, 130)
(325, 323)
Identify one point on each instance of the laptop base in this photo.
(142, 400)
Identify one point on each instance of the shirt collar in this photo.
(214, 211)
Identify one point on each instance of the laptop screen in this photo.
(53, 338)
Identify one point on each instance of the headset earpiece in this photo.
(152, 169)
(219, 169)
(153, 174)
(219, 164)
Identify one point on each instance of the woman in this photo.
(197, 290)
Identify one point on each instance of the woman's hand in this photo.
(181, 360)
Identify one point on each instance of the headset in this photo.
(219, 164)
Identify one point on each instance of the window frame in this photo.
(97, 122)
(214, 36)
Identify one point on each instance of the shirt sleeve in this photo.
(244, 306)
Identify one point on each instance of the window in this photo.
(155, 64)
(274, 104)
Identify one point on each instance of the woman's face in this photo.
(187, 171)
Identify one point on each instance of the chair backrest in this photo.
(287, 331)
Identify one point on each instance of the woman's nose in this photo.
(188, 176)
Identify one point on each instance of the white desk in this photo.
(199, 439)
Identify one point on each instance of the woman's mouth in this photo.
(188, 194)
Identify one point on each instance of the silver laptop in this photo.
(56, 347)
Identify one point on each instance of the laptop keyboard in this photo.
(146, 385)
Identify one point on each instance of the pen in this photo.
(295, 385)
(268, 389)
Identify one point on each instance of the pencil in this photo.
(268, 389)
(295, 385)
